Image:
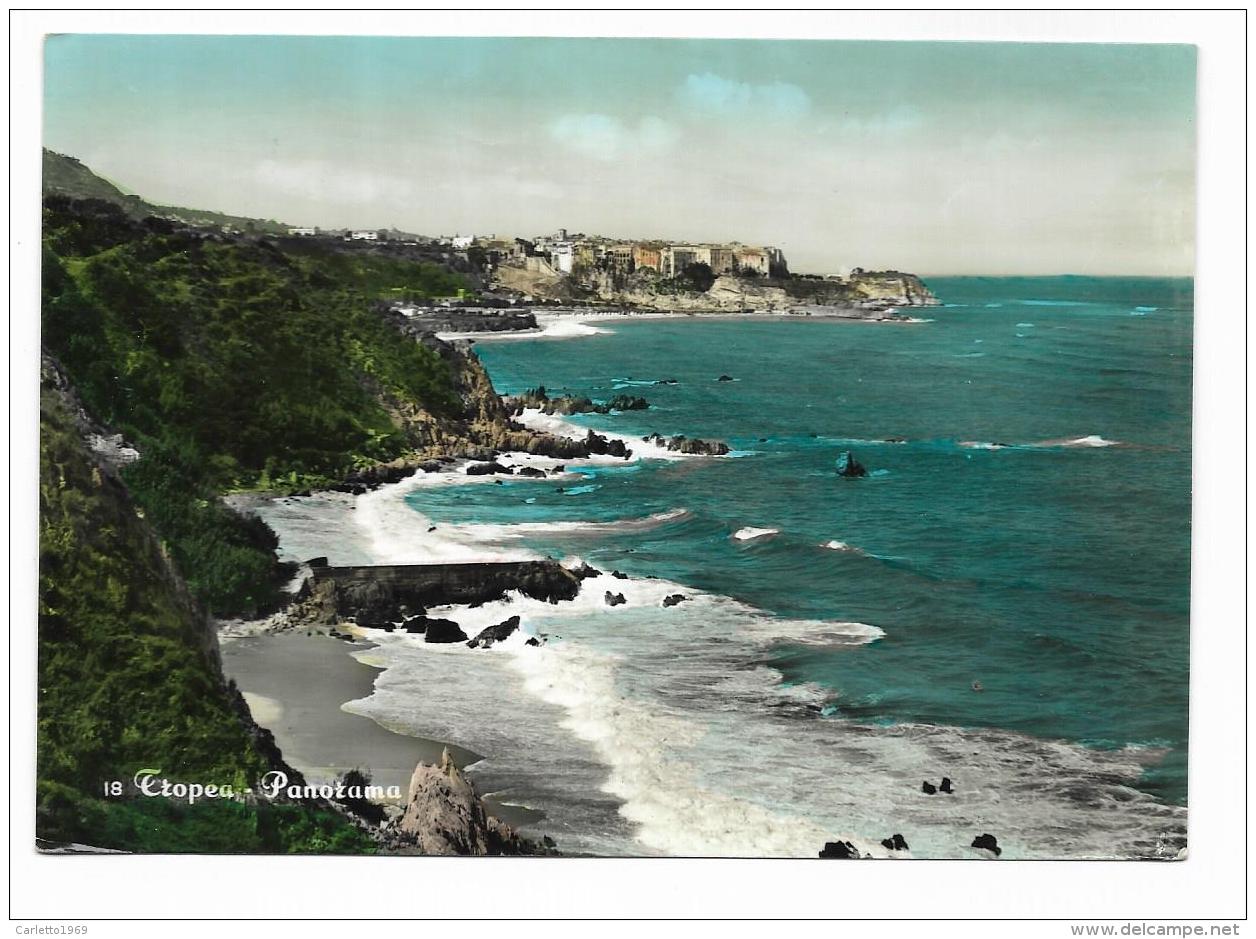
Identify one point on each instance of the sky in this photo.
(931, 157)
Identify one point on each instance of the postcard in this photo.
(578, 447)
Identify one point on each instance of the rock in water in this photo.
(945, 785)
(894, 843)
(674, 599)
(848, 466)
(840, 850)
(443, 630)
(725, 378)
(486, 469)
(928, 788)
(600, 444)
(988, 843)
(444, 815)
(530, 471)
(585, 570)
(614, 599)
(486, 637)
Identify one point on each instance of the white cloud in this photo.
(322, 181)
(712, 94)
(607, 138)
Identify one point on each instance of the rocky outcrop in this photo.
(867, 290)
(614, 599)
(894, 843)
(539, 399)
(846, 465)
(674, 599)
(485, 638)
(444, 815)
(486, 469)
(691, 445)
(596, 443)
(443, 630)
(478, 428)
(893, 288)
(860, 290)
(840, 850)
(384, 594)
(989, 843)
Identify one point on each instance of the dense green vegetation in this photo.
(162, 826)
(128, 678)
(231, 363)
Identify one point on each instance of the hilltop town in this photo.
(648, 274)
(509, 277)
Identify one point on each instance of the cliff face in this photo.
(129, 675)
(891, 287)
(481, 424)
(645, 290)
(870, 289)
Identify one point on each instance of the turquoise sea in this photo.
(1021, 546)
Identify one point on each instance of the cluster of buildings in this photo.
(353, 234)
(582, 254)
(566, 254)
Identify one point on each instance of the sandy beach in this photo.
(295, 684)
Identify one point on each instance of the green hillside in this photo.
(129, 678)
(228, 362)
(232, 364)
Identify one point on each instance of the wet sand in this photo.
(295, 685)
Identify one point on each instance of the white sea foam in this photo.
(1091, 440)
(704, 752)
(536, 419)
(835, 545)
(755, 534)
(549, 327)
(647, 729)
(567, 328)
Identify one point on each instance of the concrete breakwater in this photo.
(376, 595)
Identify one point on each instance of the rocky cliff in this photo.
(893, 288)
(727, 293)
(481, 426)
(129, 674)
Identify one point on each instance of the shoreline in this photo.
(409, 545)
(312, 728)
(548, 319)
